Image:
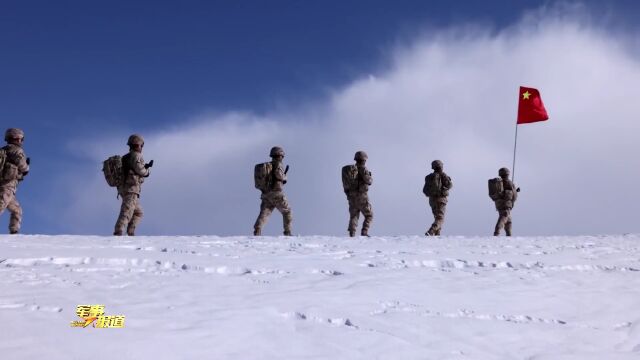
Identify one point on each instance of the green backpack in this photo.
(262, 176)
(113, 171)
(432, 185)
(496, 188)
(350, 177)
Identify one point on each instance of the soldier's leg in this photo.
(502, 219)
(287, 218)
(135, 219)
(367, 211)
(438, 215)
(16, 215)
(6, 197)
(354, 216)
(508, 223)
(433, 229)
(126, 212)
(265, 210)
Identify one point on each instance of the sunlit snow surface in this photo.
(315, 297)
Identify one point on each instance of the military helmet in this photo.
(135, 139)
(360, 156)
(437, 165)
(503, 171)
(276, 151)
(13, 133)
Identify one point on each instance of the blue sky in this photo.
(77, 70)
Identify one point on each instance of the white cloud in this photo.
(451, 95)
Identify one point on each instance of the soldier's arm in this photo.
(23, 166)
(279, 174)
(138, 166)
(365, 175)
(447, 184)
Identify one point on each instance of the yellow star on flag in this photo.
(525, 95)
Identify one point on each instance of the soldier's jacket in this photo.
(447, 184)
(508, 196)
(364, 181)
(133, 167)
(15, 167)
(279, 177)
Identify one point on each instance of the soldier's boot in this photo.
(120, 225)
(437, 232)
(365, 225)
(257, 232)
(352, 233)
(507, 229)
(287, 219)
(431, 231)
(15, 220)
(131, 226)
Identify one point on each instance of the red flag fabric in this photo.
(530, 106)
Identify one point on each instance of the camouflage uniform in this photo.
(15, 169)
(274, 198)
(131, 212)
(358, 197)
(504, 204)
(438, 202)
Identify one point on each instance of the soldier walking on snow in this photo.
(270, 178)
(504, 194)
(134, 171)
(14, 166)
(436, 188)
(356, 180)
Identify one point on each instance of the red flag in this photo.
(530, 106)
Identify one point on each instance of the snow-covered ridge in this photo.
(325, 297)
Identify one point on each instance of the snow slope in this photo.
(314, 297)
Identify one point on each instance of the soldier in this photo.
(436, 188)
(358, 197)
(272, 195)
(504, 201)
(16, 167)
(134, 171)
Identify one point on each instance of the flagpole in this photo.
(515, 144)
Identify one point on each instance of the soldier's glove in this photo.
(28, 161)
(518, 190)
(148, 165)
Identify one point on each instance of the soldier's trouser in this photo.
(438, 208)
(504, 221)
(8, 201)
(359, 204)
(274, 200)
(130, 214)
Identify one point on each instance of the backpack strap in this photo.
(125, 166)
